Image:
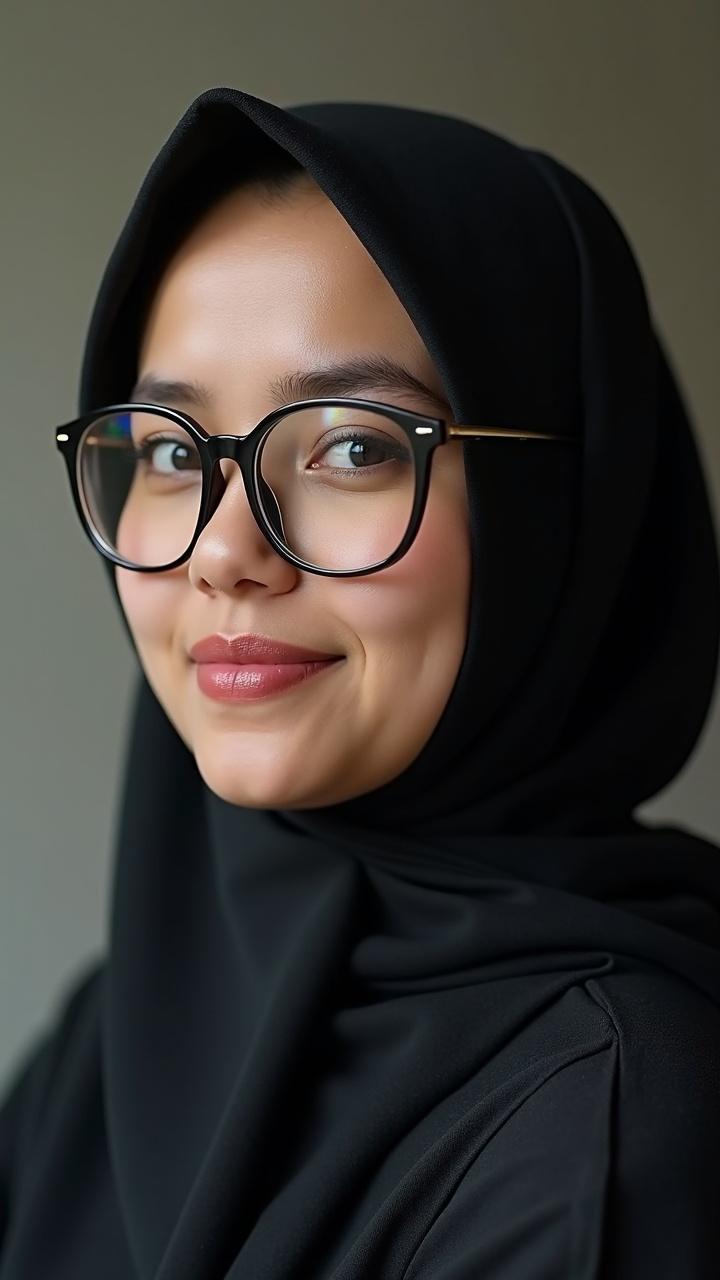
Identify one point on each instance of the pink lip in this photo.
(248, 667)
(253, 649)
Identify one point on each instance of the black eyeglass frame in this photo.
(424, 434)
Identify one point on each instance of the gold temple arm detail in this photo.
(454, 429)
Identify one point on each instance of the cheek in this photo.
(440, 555)
(151, 602)
(421, 603)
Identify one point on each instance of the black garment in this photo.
(466, 1026)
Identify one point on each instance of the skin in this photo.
(253, 292)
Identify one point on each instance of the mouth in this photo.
(253, 681)
(249, 648)
(249, 667)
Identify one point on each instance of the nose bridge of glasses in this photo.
(224, 451)
(238, 448)
(228, 450)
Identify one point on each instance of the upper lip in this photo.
(253, 648)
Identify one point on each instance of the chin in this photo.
(249, 786)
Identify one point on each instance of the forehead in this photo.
(258, 282)
(247, 248)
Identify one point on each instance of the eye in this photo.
(167, 455)
(367, 449)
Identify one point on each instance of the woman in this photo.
(397, 985)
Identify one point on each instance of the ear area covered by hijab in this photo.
(467, 1024)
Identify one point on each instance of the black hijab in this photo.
(466, 1025)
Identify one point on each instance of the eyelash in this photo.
(340, 436)
(345, 434)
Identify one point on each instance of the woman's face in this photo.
(257, 292)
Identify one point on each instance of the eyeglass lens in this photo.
(337, 485)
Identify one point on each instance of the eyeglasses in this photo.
(337, 486)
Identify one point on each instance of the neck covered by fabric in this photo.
(297, 1006)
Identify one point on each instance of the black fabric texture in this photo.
(467, 1025)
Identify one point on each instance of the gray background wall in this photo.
(624, 91)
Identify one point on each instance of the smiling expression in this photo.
(256, 294)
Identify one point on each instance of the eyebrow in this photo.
(347, 378)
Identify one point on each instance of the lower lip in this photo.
(247, 682)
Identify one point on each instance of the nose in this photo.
(232, 547)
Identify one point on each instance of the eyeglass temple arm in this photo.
(455, 429)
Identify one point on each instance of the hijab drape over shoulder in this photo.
(467, 1025)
